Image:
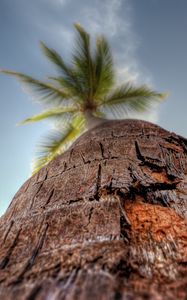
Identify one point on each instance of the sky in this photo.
(149, 43)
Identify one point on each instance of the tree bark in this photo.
(105, 220)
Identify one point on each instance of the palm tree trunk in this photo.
(105, 220)
(91, 120)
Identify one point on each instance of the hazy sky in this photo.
(149, 42)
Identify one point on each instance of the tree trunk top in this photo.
(105, 220)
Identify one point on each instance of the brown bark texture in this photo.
(106, 220)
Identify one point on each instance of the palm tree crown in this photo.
(82, 94)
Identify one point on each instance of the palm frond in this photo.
(82, 60)
(57, 141)
(52, 113)
(104, 70)
(132, 99)
(76, 93)
(49, 148)
(67, 73)
(55, 58)
(47, 93)
(100, 114)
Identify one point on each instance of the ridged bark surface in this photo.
(105, 220)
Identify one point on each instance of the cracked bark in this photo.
(105, 220)
(7, 232)
(4, 262)
(34, 254)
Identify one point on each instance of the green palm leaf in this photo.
(82, 60)
(104, 71)
(52, 113)
(48, 93)
(57, 141)
(55, 58)
(50, 147)
(132, 99)
(67, 75)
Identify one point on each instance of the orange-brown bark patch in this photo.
(156, 220)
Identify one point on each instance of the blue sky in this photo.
(149, 42)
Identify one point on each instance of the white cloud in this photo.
(102, 17)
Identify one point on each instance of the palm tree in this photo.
(82, 95)
(106, 219)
